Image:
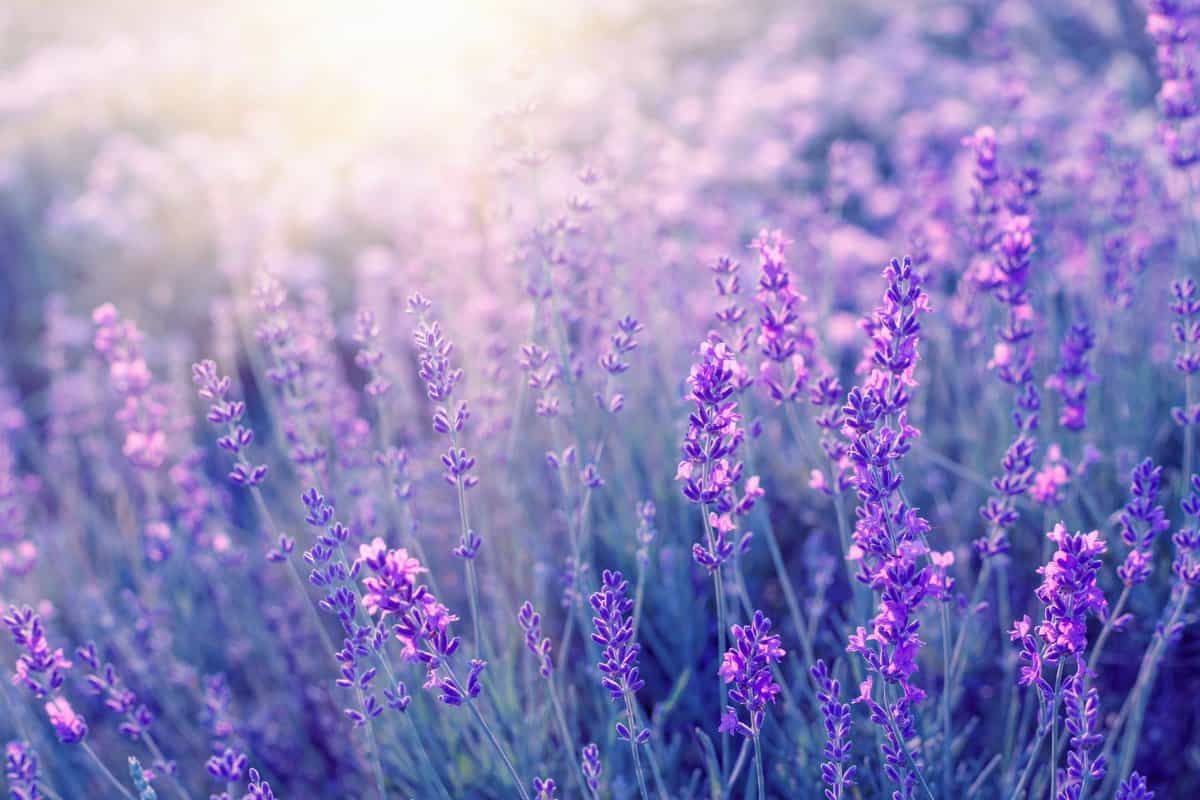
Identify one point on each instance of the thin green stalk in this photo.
(487, 729)
(1108, 628)
(568, 739)
(105, 771)
(758, 769)
(633, 746)
(1054, 731)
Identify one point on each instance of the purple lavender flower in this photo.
(223, 411)
(1185, 304)
(1069, 594)
(1140, 522)
(228, 766)
(257, 788)
(368, 358)
(732, 313)
(746, 670)
(1074, 375)
(1167, 24)
(69, 726)
(590, 763)
(1081, 706)
(103, 680)
(531, 624)
(709, 471)
(784, 341)
(613, 631)
(836, 771)
(889, 535)
(1134, 788)
(39, 669)
(21, 770)
(544, 789)
(143, 410)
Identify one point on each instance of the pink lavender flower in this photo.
(746, 670)
(143, 410)
(1069, 594)
(21, 771)
(69, 726)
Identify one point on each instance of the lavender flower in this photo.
(1081, 706)
(785, 342)
(709, 471)
(1140, 522)
(590, 763)
(836, 771)
(257, 788)
(368, 358)
(613, 631)
(141, 781)
(39, 669)
(21, 771)
(746, 669)
(1134, 788)
(1074, 375)
(531, 624)
(889, 535)
(103, 680)
(1185, 304)
(223, 411)
(544, 789)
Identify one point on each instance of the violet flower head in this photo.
(1074, 375)
(746, 670)
(1134, 788)
(141, 780)
(731, 314)
(709, 470)
(39, 669)
(1185, 304)
(215, 389)
(784, 340)
(69, 726)
(21, 771)
(1081, 706)
(369, 358)
(1140, 522)
(227, 766)
(613, 631)
(836, 771)
(889, 536)
(1186, 564)
(143, 410)
(257, 788)
(422, 623)
(531, 624)
(589, 760)
(544, 789)
(1070, 594)
(1167, 24)
(103, 681)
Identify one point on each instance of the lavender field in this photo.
(660, 400)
